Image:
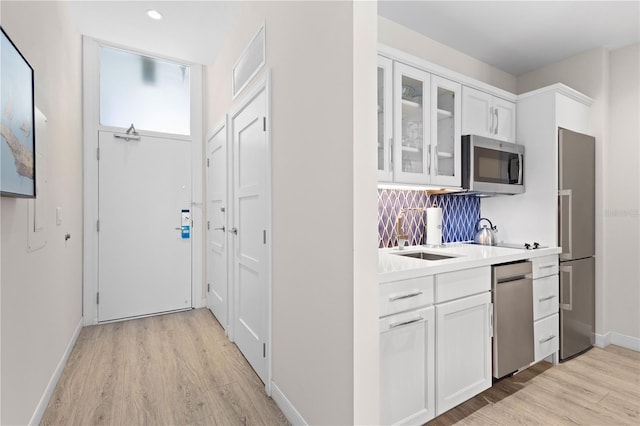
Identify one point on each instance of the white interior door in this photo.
(144, 262)
(217, 283)
(249, 232)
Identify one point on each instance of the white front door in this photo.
(144, 260)
(249, 232)
(217, 290)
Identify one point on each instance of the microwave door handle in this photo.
(520, 167)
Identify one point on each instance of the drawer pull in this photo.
(401, 323)
(405, 296)
(543, 299)
(547, 266)
(553, 336)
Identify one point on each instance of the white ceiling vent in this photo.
(249, 63)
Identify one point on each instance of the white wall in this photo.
(611, 79)
(622, 196)
(41, 291)
(321, 259)
(410, 41)
(366, 341)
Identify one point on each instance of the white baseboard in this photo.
(613, 338)
(51, 386)
(603, 340)
(287, 408)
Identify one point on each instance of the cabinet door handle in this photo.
(401, 323)
(222, 228)
(429, 159)
(547, 266)
(491, 319)
(542, 299)
(491, 115)
(495, 110)
(553, 336)
(390, 154)
(405, 296)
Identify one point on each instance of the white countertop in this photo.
(392, 267)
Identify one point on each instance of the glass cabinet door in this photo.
(411, 125)
(385, 118)
(445, 136)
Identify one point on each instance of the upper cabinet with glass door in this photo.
(411, 130)
(445, 131)
(385, 118)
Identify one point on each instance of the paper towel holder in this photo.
(433, 226)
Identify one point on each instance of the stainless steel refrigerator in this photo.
(576, 236)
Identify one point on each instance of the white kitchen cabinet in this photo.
(407, 367)
(385, 118)
(486, 115)
(546, 295)
(463, 350)
(411, 126)
(446, 105)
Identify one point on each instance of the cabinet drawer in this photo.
(399, 296)
(545, 296)
(453, 285)
(546, 337)
(544, 266)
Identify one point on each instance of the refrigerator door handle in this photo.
(566, 245)
(566, 306)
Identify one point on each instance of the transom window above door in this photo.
(149, 92)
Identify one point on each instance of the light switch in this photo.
(58, 216)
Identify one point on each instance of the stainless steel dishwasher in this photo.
(512, 294)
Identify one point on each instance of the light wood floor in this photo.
(172, 369)
(599, 387)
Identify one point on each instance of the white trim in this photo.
(91, 127)
(197, 177)
(561, 89)
(618, 339)
(287, 408)
(262, 30)
(404, 57)
(90, 122)
(53, 381)
(262, 83)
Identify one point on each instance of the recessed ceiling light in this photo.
(154, 14)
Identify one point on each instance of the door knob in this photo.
(234, 230)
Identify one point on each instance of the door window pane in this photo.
(151, 93)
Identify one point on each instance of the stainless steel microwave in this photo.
(492, 167)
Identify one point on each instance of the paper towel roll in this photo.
(434, 226)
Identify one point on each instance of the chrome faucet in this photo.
(403, 238)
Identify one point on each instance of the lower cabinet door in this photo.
(463, 358)
(407, 367)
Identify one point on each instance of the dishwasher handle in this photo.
(511, 272)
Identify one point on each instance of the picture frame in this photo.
(17, 123)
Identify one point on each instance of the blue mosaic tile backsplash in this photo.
(459, 216)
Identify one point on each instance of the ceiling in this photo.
(192, 31)
(514, 36)
(520, 36)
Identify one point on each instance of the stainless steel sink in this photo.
(425, 256)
